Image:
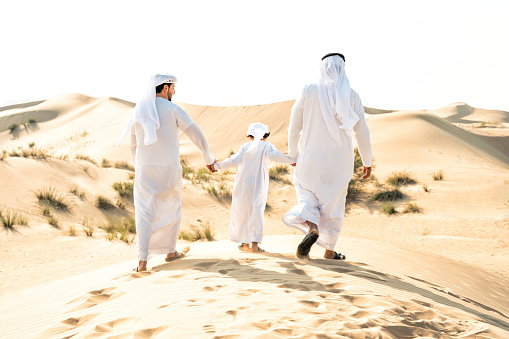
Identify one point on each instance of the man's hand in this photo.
(211, 167)
(367, 172)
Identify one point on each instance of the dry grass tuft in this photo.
(388, 195)
(124, 189)
(104, 203)
(71, 230)
(411, 208)
(88, 226)
(86, 158)
(195, 233)
(78, 191)
(400, 178)
(50, 195)
(438, 175)
(388, 208)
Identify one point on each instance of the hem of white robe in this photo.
(298, 221)
(257, 239)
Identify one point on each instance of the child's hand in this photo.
(295, 164)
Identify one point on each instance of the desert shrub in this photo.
(46, 210)
(121, 204)
(53, 221)
(388, 208)
(50, 195)
(356, 184)
(400, 178)
(35, 152)
(71, 230)
(212, 190)
(21, 219)
(425, 188)
(126, 237)
(32, 121)
(78, 191)
(411, 208)
(277, 172)
(31, 144)
(124, 165)
(438, 175)
(187, 170)
(12, 127)
(201, 175)
(8, 219)
(130, 176)
(195, 233)
(105, 163)
(3, 155)
(104, 203)
(388, 195)
(88, 226)
(124, 189)
(86, 158)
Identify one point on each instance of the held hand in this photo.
(367, 172)
(294, 164)
(211, 167)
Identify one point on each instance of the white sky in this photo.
(399, 54)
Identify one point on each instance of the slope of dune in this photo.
(218, 292)
(460, 112)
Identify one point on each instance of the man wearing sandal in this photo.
(323, 119)
(154, 128)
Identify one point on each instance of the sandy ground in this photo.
(440, 273)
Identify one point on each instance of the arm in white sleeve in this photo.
(295, 128)
(234, 160)
(133, 145)
(362, 134)
(194, 133)
(275, 155)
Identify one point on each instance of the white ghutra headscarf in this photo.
(145, 111)
(257, 130)
(334, 97)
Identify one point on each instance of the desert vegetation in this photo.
(197, 232)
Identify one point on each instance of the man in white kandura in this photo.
(325, 115)
(154, 127)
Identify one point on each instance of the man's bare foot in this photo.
(329, 254)
(256, 248)
(313, 228)
(142, 266)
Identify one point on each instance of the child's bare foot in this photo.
(255, 248)
(244, 247)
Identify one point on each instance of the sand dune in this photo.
(439, 273)
(218, 292)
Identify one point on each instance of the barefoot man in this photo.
(154, 128)
(323, 119)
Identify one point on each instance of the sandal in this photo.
(177, 255)
(339, 256)
(260, 250)
(305, 245)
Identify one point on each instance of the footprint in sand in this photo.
(309, 303)
(212, 288)
(138, 275)
(248, 292)
(97, 297)
(209, 329)
(110, 325)
(149, 332)
(206, 264)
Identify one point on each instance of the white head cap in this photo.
(257, 130)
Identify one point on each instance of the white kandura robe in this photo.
(250, 189)
(158, 180)
(324, 168)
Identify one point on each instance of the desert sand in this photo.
(440, 273)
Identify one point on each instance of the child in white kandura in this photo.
(251, 186)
